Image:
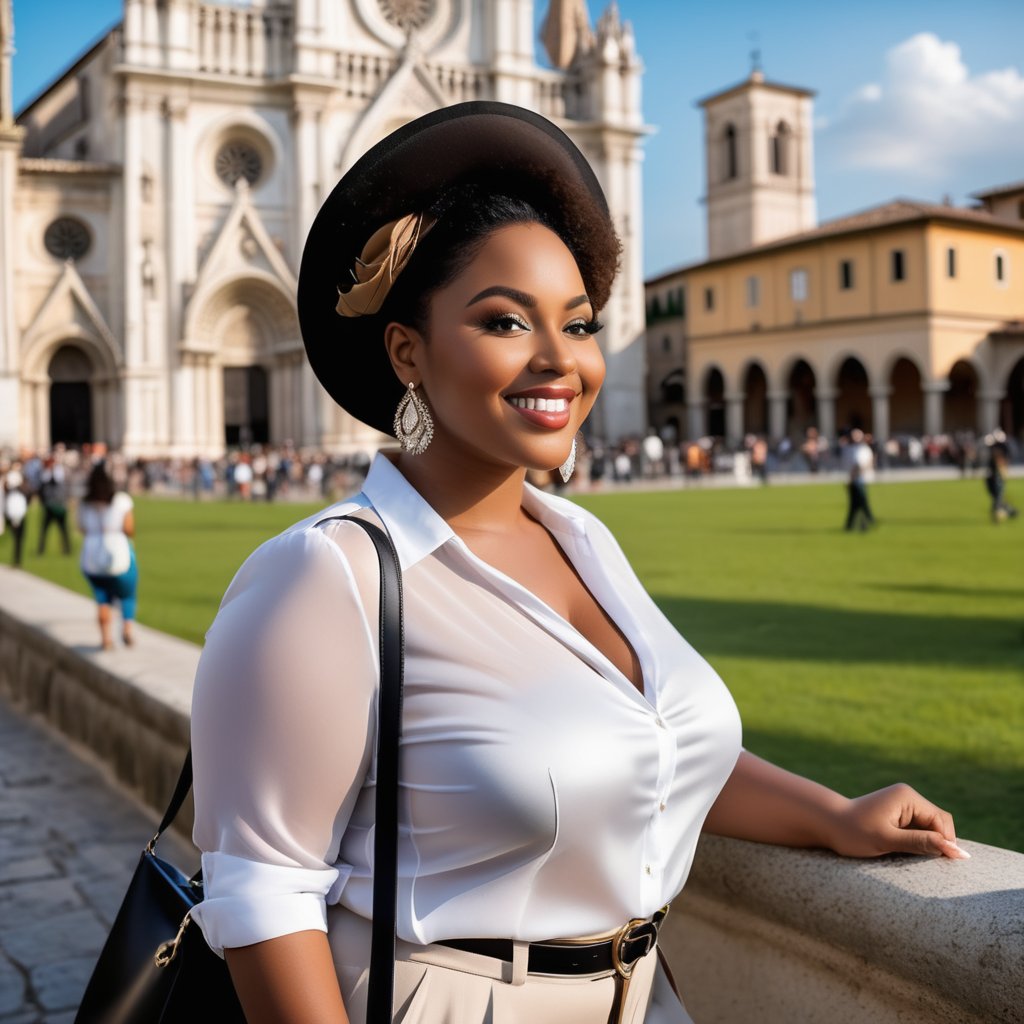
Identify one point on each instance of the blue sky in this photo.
(924, 98)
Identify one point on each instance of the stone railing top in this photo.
(955, 927)
(160, 667)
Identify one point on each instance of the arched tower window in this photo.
(730, 163)
(780, 148)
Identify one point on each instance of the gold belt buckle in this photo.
(624, 970)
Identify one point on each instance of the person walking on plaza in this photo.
(15, 508)
(759, 459)
(53, 496)
(861, 462)
(995, 483)
(106, 518)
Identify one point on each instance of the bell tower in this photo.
(759, 160)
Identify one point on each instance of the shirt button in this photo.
(661, 722)
(661, 806)
(647, 868)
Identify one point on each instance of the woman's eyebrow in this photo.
(514, 294)
(523, 298)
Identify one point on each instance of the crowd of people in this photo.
(659, 455)
(57, 478)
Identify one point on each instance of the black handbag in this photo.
(156, 968)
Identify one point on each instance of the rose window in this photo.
(238, 160)
(408, 14)
(67, 239)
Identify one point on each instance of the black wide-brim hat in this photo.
(405, 173)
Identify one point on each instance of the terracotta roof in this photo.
(899, 211)
(999, 190)
(895, 212)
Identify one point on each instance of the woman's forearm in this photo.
(288, 980)
(768, 804)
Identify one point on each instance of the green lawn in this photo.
(858, 659)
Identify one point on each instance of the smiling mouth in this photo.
(549, 410)
(540, 404)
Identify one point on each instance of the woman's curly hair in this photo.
(469, 212)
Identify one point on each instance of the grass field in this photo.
(857, 659)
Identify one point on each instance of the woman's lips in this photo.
(546, 407)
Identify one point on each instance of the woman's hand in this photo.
(767, 804)
(896, 819)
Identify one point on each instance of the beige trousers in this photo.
(438, 985)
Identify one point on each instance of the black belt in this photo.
(620, 953)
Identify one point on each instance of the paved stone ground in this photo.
(69, 842)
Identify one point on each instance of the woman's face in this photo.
(511, 365)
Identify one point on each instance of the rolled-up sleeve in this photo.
(283, 716)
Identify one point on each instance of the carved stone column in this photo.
(880, 412)
(777, 414)
(826, 399)
(696, 411)
(734, 417)
(988, 410)
(934, 394)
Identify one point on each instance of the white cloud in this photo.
(930, 116)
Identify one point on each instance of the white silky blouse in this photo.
(542, 795)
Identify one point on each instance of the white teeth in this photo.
(541, 404)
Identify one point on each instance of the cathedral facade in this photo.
(154, 201)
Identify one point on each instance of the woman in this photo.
(15, 508)
(107, 520)
(563, 746)
(995, 484)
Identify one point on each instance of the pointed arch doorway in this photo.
(246, 406)
(71, 401)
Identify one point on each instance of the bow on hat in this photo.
(382, 260)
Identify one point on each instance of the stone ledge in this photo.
(128, 707)
(761, 934)
(770, 934)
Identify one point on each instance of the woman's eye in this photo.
(505, 324)
(583, 328)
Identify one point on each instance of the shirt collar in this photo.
(559, 515)
(417, 530)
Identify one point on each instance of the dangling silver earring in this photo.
(569, 465)
(413, 425)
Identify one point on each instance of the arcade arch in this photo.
(801, 411)
(906, 399)
(853, 401)
(960, 402)
(755, 400)
(1012, 419)
(714, 402)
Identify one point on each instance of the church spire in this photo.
(566, 31)
(6, 53)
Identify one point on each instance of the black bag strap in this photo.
(380, 993)
(380, 989)
(181, 788)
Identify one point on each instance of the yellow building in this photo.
(904, 318)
